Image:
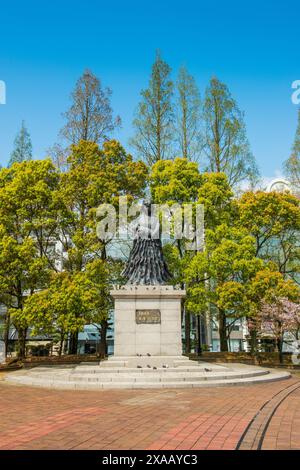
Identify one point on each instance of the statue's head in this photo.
(147, 204)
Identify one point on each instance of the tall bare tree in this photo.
(225, 145)
(154, 116)
(187, 123)
(292, 165)
(90, 116)
(59, 156)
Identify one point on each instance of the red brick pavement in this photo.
(207, 418)
(259, 427)
(284, 429)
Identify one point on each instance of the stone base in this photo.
(123, 373)
(146, 361)
(148, 352)
(147, 321)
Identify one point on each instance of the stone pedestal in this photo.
(147, 320)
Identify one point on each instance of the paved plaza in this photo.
(265, 416)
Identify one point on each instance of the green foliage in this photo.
(174, 181)
(22, 147)
(153, 122)
(216, 195)
(39, 207)
(273, 219)
(175, 263)
(229, 256)
(268, 285)
(70, 301)
(28, 200)
(251, 252)
(28, 223)
(292, 165)
(225, 142)
(21, 270)
(95, 176)
(187, 122)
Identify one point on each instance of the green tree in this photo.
(22, 272)
(70, 302)
(179, 181)
(225, 144)
(22, 147)
(216, 195)
(154, 117)
(292, 165)
(28, 223)
(273, 219)
(95, 176)
(187, 123)
(99, 278)
(248, 299)
(176, 182)
(228, 257)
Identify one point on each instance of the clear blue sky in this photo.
(253, 46)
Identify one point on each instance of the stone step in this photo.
(86, 385)
(89, 363)
(158, 361)
(105, 364)
(161, 378)
(144, 370)
(157, 376)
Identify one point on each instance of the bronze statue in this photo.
(146, 264)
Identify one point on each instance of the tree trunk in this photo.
(103, 253)
(253, 342)
(187, 322)
(22, 343)
(22, 332)
(103, 342)
(6, 333)
(279, 347)
(222, 331)
(199, 342)
(61, 343)
(73, 344)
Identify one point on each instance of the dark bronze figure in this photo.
(146, 264)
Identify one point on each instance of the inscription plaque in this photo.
(147, 316)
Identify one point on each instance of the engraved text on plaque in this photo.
(147, 316)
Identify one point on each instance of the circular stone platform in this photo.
(145, 372)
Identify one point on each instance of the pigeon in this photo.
(139, 367)
(148, 354)
(154, 368)
(149, 366)
(165, 366)
(207, 370)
